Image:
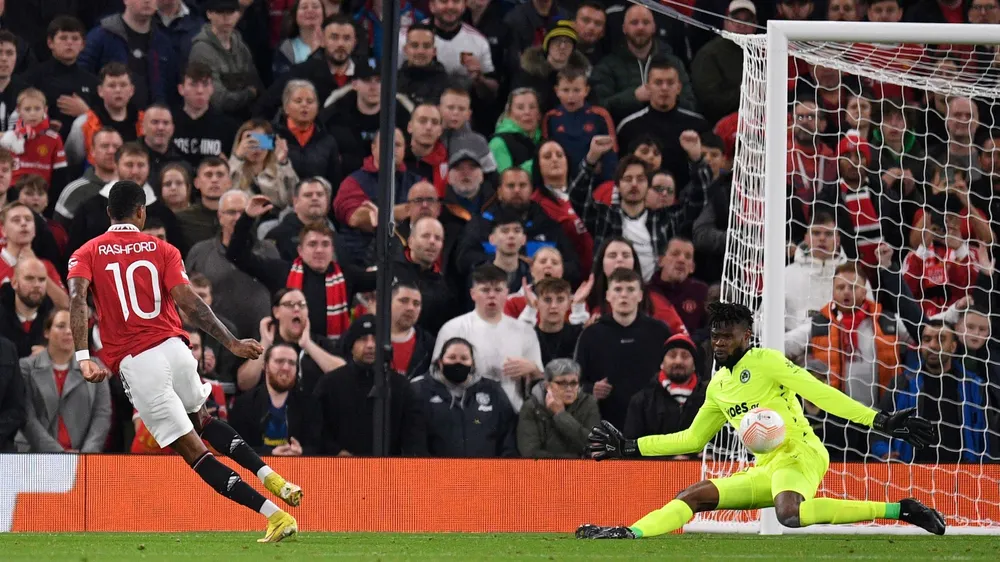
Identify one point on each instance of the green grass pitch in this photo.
(134, 547)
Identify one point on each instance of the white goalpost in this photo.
(754, 273)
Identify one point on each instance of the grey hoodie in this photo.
(233, 71)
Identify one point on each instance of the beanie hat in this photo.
(682, 341)
(562, 28)
(361, 327)
(852, 141)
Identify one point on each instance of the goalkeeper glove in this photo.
(606, 442)
(906, 426)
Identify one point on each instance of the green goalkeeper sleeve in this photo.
(705, 425)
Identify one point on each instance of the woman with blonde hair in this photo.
(175, 186)
(260, 164)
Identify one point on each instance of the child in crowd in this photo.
(575, 121)
(37, 149)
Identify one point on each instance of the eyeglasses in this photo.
(805, 117)
(663, 189)
(301, 305)
(566, 384)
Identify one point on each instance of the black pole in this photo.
(386, 202)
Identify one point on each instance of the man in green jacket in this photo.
(717, 69)
(619, 80)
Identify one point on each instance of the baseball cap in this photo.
(462, 155)
(737, 5)
(367, 68)
(852, 141)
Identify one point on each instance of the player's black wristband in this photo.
(879, 422)
(630, 448)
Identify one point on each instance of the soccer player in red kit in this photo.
(136, 280)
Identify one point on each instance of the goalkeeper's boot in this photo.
(916, 513)
(280, 526)
(597, 532)
(288, 492)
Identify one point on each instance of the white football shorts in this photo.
(163, 385)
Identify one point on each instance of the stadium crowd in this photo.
(562, 200)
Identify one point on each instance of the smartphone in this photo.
(266, 142)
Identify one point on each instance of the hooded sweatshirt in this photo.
(606, 346)
(233, 70)
(513, 146)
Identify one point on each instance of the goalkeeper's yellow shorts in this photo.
(798, 466)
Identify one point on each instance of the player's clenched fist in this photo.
(92, 372)
(247, 349)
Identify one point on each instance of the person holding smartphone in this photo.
(260, 163)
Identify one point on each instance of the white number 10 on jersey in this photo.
(132, 301)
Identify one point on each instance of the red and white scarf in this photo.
(849, 322)
(337, 318)
(29, 133)
(679, 391)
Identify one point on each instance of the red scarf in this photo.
(29, 133)
(679, 391)
(337, 318)
(302, 136)
(849, 322)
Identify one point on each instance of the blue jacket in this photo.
(904, 394)
(573, 131)
(181, 33)
(108, 43)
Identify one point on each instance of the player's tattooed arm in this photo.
(79, 312)
(201, 315)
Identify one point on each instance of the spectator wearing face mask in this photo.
(674, 395)
(278, 417)
(557, 418)
(468, 415)
(348, 404)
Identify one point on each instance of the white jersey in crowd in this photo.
(492, 345)
(449, 51)
(808, 285)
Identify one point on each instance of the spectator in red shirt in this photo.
(551, 177)
(37, 149)
(944, 268)
(674, 282)
(412, 345)
(618, 252)
(19, 228)
(811, 164)
(426, 155)
(65, 414)
(950, 195)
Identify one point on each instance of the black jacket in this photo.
(437, 297)
(539, 229)
(422, 84)
(285, 236)
(13, 396)
(55, 79)
(606, 346)
(273, 273)
(212, 134)
(348, 404)
(10, 325)
(249, 417)
(666, 127)
(481, 423)
(355, 131)
(319, 157)
(314, 69)
(652, 411)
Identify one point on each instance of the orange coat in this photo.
(827, 345)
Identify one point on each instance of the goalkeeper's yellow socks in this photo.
(667, 519)
(838, 512)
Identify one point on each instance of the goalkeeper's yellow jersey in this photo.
(762, 378)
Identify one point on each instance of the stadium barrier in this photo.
(161, 494)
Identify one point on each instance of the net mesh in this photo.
(890, 167)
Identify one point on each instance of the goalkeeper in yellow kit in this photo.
(786, 478)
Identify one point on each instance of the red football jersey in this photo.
(42, 154)
(131, 275)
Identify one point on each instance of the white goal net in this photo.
(888, 173)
